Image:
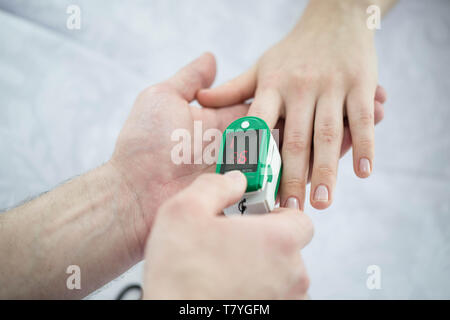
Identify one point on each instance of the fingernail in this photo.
(292, 203)
(321, 193)
(364, 165)
(236, 175)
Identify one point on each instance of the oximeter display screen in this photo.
(241, 151)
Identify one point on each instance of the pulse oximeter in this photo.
(248, 146)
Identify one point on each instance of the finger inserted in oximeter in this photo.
(248, 146)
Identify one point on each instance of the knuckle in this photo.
(296, 143)
(353, 77)
(299, 80)
(365, 117)
(334, 82)
(296, 79)
(357, 75)
(325, 172)
(331, 80)
(270, 81)
(295, 184)
(327, 132)
(365, 143)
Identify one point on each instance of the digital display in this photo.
(241, 151)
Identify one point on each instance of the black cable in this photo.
(129, 288)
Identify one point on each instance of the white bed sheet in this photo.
(64, 95)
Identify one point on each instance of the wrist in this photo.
(345, 16)
(342, 6)
(126, 205)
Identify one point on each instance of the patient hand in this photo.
(324, 70)
(143, 150)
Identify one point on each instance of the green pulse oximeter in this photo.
(248, 146)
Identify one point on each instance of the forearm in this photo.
(90, 222)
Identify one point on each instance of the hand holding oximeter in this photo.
(248, 146)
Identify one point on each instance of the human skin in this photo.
(195, 252)
(325, 69)
(100, 220)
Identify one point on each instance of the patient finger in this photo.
(232, 92)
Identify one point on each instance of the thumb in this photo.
(211, 193)
(198, 74)
(232, 92)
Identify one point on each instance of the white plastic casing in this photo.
(262, 200)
